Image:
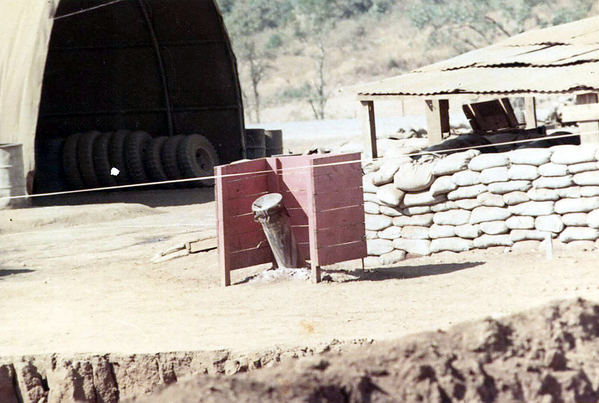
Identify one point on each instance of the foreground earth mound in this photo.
(544, 355)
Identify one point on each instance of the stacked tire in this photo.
(94, 159)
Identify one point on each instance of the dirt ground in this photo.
(78, 279)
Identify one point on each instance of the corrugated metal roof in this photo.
(560, 59)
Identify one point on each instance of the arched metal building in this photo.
(164, 67)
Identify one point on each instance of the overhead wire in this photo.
(87, 10)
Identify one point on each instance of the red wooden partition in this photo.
(323, 194)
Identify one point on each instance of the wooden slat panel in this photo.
(340, 235)
(241, 224)
(250, 257)
(297, 199)
(295, 161)
(247, 185)
(339, 217)
(241, 205)
(333, 158)
(335, 183)
(342, 198)
(344, 169)
(301, 233)
(340, 253)
(304, 249)
(241, 167)
(247, 240)
(294, 180)
(297, 217)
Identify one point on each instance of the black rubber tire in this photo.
(85, 158)
(197, 157)
(169, 157)
(136, 147)
(116, 154)
(153, 160)
(70, 164)
(102, 160)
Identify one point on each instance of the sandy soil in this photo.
(78, 279)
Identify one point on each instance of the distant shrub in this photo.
(273, 42)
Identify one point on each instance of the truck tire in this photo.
(136, 147)
(102, 160)
(197, 157)
(169, 157)
(85, 158)
(116, 154)
(154, 161)
(70, 164)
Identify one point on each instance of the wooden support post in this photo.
(589, 122)
(530, 112)
(437, 120)
(369, 130)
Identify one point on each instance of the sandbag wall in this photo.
(471, 200)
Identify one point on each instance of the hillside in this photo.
(298, 59)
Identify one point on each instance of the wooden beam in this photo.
(586, 113)
(530, 112)
(369, 129)
(437, 119)
(580, 113)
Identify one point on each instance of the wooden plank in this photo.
(333, 184)
(509, 112)
(369, 130)
(295, 161)
(338, 199)
(294, 180)
(246, 185)
(298, 217)
(318, 160)
(339, 235)
(437, 119)
(295, 199)
(339, 217)
(250, 257)
(530, 112)
(247, 240)
(224, 263)
(344, 169)
(242, 167)
(580, 113)
(313, 226)
(240, 224)
(341, 253)
(241, 205)
(589, 132)
(301, 233)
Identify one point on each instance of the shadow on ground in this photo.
(400, 272)
(8, 272)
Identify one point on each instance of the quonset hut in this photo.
(149, 87)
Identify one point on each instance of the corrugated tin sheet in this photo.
(560, 59)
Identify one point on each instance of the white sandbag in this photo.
(390, 211)
(466, 178)
(468, 204)
(485, 161)
(414, 232)
(494, 227)
(422, 199)
(555, 182)
(466, 192)
(579, 234)
(590, 178)
(572, 192)
(530, 156)
(413, 210)
(550, 169)
(520, 222)
(371, 208)
(443, 184)
(390, 233)
(367, 184)
(487, 241)
(583, 167)
(551, 223)
(589, 191)
(423, 220)
(484, 214)
(414, 177)
(582, 205)
(581, 246)
(570, 154)
(413, 246)
(490, 175)
(489, 199)
(377, 247)
(388, 169)
(445, 206)
(389, 195)
(543, 194)
(513, 198)
(526, 246)
(371, 197)
(523, 172)
(533, 208)
(450, 244)
(377, 222)
(468, 231)
(452, 217)
(519, 235)
(372, 234)
(575, 219)
(511, 186)
(454, 163)
(593, 219)
(392, 257)
(441, 231)
(372, 261)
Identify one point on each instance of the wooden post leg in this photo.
(316, 275)
(225, 279)
(369, 130)
(530, 112)
(437, 120)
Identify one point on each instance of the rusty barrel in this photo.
(273, 142)
(255, 143)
